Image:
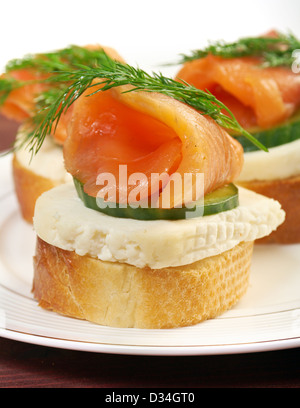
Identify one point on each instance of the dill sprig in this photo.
(112, 74)
(59, 60)
(273, 51)
(50, 63)
(75, 69)
(7, 85)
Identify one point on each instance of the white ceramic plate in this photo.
(267, 318)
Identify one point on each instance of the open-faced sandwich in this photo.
(26, 87)
(255, 78)
(118, 248)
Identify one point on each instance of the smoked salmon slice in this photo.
(256, 96)
(149, 133)
(21, 102)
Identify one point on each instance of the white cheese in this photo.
(47, 163)
(279, 163)
(62, 220)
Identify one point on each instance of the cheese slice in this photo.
(278, 163)
(62, 220)
(49, 161)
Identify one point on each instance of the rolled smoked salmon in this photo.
(256, 96)
(148, 132)
(20, 104)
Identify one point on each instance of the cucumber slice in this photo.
(287, 132)
(223, 199)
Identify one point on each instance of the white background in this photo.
(145, 33)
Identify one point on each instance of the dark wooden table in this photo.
(31, 366)
(24, 365)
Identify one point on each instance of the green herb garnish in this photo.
(60, 60)
(274, 52)
(71, 77)
(51, 63)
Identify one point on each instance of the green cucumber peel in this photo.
(282, 134)
(223, 199)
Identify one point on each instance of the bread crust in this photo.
(28, 187)
(121, 295)
(287, 192)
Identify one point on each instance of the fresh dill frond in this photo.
(61, 60)
(69, 72)
(114, 74)
(48, 65)
(273, 51)
(7, 85)
(45, 67)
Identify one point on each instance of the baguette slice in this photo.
(287, 192)
(122, 295)
(28, 187)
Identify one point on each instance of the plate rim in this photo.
(172, 351)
